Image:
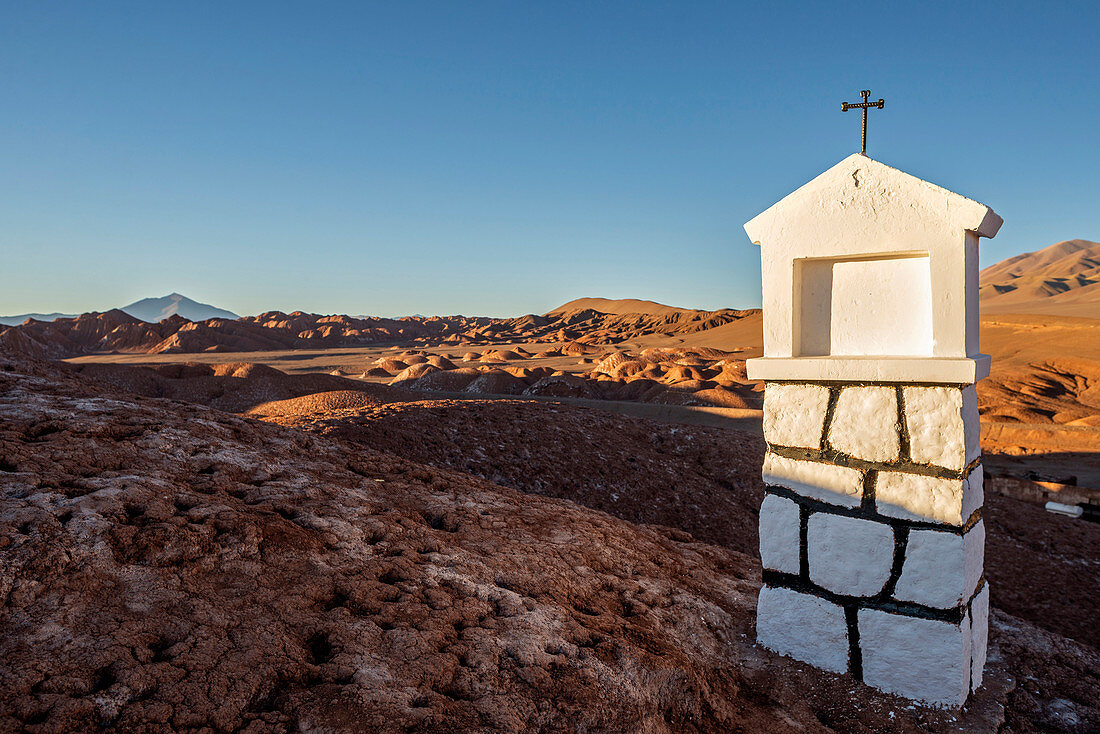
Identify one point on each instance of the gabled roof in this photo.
(859, 186)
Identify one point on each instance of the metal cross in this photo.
(845, 106)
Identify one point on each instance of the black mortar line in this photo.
(974, 519)
(973, 464)
(778, 579)
(970, 677)
(827, 423)
(863, 513)
(855, 654)
(867, 502)
(901, 542)
(977, 590)
(903, 427)
(830, 456)
(803, 548)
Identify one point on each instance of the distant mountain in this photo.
(155, 310)
(1060, 280)
(17, 320)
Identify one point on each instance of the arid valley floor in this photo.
(300, 523)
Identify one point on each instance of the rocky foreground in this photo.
(165, 566)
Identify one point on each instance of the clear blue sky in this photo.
(501, 158)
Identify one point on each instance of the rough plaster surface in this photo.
(849, 555)
(803, 627)
(779, 530)
(794, 415)
(979, 636)
(837, 485)
(943, 425)
(918, 497)
(941, 569)
(923, 659)
(865, 423)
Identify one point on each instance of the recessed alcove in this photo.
(879, 305)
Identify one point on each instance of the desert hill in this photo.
(1061, 280)
(619, 307)
(111, 331)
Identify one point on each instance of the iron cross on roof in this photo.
(865, 105)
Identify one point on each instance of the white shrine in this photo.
(871, 534)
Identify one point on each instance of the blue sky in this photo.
(501, 158)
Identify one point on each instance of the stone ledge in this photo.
(932, 370)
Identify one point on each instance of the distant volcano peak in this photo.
(154, 310)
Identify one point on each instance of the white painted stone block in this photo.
(849, 555)
(779, 531)
(941, 569)
(918, 497)
(974, 492)
(979, 636)
(972, 420)
(794, 415)
(923, 659)
(943, 425)
(865, 423)
(837, 485)
(803, 627)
